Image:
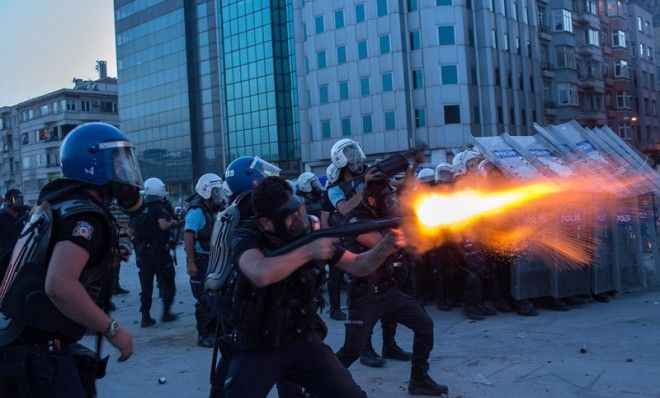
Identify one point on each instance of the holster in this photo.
(90, 367)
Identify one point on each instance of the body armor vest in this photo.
(204, 236)
(23, 299)
(280, 312)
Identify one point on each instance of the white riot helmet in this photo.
(486, 167)
(332, 172)
(464, 161)
(154, 187)
(347, 153)
(444, 173)
(307, 182)
(209, 186)
(293, 185)
(426, 175)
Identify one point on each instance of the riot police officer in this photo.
(72, 277)
(12, 220)
(207, 201)
(378, 296)
(152, 249)
(309, 188)
(278, 333)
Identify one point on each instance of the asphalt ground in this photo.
(593, 350)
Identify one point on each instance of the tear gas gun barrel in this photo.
(336, 232)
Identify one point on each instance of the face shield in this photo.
(354, 159)
(125, 176)
(218, 198)
(444, 176)
(264, 168)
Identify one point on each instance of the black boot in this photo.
(422, 384)
(526, 308)
(147, 320)
(392, 351)
(168, 316)
(369, 357)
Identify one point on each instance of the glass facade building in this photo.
(169, 88)
(258, 77)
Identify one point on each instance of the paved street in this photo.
(518, 357)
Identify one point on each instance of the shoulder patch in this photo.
(353, 220)
(84, 230)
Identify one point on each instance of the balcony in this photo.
(588, 50)
(591, 114)
(585, 18)
(544, 33)
(550, 108)
(548, 70)
(591, 82)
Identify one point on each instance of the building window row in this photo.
(448, 75)
(451, 113)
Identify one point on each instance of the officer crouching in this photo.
(378, 295)
(278, 332)
(60, 276)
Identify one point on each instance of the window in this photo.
(42, 135)
(442, 2)
(415, 42)
(305, 31)
(84, 106)
(412, 5)
(445, 35)
(381, 6)
(493, 38)
(343, 90)
(505, 42)
(390, 123)
(500, 115)
(625, 130)
(318, 22)
(362, 49)
(567, 93)
(323, 94)
(359, 13)
(417, 79)
(325, 128)
(621, 68)
(562, 21)
(420, 117)
(339, 19)
(618, 38)
(384, 44)
(367, 125)
(640, 24)
(591, 7)
(341, 55)
(592, 37)
(365, 88)
(387, 81)
(320, 59)
(452, 114)
(449, 74)
(44, 110)
(565, 57)
(346, 126)
(623, 100)
(497, 77)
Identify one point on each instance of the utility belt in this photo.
(316, 326)
(153, 245)
(19, 353)
(360, 287)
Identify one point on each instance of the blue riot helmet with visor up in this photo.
(245, 173)
(101, 155)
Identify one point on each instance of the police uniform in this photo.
(378, 296)
(199, 221)
(335, 275)
(278, 333)
(152, 248)
(42, 346)
(10, 228)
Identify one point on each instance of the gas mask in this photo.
(217, 199)
(294, 210)
(16, 201)
(387, 204)
(355, 160)
(127, 196)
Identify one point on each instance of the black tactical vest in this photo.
(280, 312)
(204, 236)
(26, 303)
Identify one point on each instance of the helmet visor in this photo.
(264, 168)
(126, 169)
(354, 155)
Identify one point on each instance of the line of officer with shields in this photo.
(60, 275)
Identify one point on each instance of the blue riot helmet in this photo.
(101, 155)
(246, 172)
